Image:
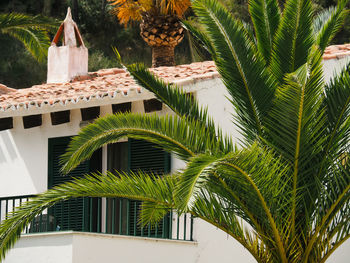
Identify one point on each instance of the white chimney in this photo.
(70, 59)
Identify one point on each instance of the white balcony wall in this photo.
(76, 247)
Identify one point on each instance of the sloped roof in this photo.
(113, 83)
(337, 51)
(105, 83)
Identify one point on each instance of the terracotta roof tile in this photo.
(108, 83)
(5, 90)
(101, 84)
(337, 51)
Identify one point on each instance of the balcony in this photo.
(100, 215)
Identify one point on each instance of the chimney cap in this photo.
(71, 32)
(68, 16)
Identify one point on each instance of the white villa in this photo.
(35, 126)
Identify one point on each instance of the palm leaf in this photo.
(338, 236)
(337, 105)
(192, 179)
(171, 95)
(248, 173)
(13, 20)
(265, 15)
(328, 22)
(239, 64)
(137, 186)
(333, 207)
(293, 38)
(216, 211)
(36, 42)
(183, 137)
(300, 137)
(30, 30)
(200, 36)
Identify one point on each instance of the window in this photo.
(123, 214)
(69, 215)
(111, 215)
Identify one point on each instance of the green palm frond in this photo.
(216, 211)
(335, 233)
(177, 100)
(293, 39)
(200, 36)
(183, 137)
(298, 102)
(290, 182)
(335, 237)
(328, 23)
(13, 20)
(32, 31)
(239, 64)
(265, 15)
(247, 181)
(171, 95)
(333, 210)
(250, 31)
(300, 137)
(192, 180)
(137, 186)
(337, 105)
(37, 42)
(249, 174)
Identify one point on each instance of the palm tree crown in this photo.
(160, 25)
(289, 180)
(130, 10)
(32, 31)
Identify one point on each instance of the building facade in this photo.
(36, 125)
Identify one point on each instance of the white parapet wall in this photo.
(77, 247)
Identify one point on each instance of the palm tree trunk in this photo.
(163, 56)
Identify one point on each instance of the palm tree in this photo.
(289, 180)
(32, 31)
(160, 25)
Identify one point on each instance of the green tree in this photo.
(289, 180)
(32, 31)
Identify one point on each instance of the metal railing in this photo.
(101, 215)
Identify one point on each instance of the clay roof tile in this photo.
(102, 83)
(336, 51)
(109, 82)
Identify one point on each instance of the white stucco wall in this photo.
(68, 247)
(76, 247)
(213, 95)
(24, 157)
(51, 248)
(332, 67)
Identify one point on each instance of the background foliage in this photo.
(101, 30)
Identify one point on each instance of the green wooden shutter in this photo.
(146, 157)
(68, 215)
